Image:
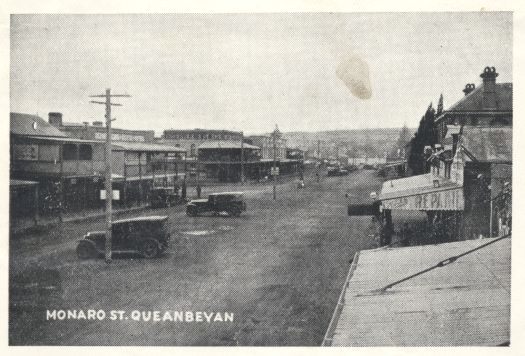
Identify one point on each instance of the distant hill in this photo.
(359, 142)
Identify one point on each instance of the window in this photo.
(192, 150)
(448, 166)
(85, 153)
(69, 152)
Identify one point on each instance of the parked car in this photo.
(337, 171)
(164, 197)
(231, 203)
(148, 235)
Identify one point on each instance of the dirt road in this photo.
(279, 269)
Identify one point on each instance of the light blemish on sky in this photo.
(354, 72)
(251, 71)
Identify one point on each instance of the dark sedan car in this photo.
(148, 236)
(231, 203)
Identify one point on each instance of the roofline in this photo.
(488, 112)
(57, 138)
(226, 193)
(442, 188)
(201, 131)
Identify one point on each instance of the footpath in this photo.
(20, 226)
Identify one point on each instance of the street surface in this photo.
(279, 268)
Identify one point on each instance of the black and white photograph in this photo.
(322, 179)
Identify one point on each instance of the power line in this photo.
(442, 263)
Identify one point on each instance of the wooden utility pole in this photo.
(275, 162)
(318, 159)
(108, 179)
(242, 157)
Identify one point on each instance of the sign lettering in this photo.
(442, 200)
(119, 137)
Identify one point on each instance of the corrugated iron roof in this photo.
(32, 125)
(66, 139)
(465, 303)
(488, 144)
(474, 100)
(144, 147)
(226, 145)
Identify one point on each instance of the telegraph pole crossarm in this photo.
(108, 174)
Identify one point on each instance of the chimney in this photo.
(55, 119)
(98, 123)
(469, 88)
(489, 87)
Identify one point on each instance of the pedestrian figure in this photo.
(198, 191)
(183, 193)
(406, 235)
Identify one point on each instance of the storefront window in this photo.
(69, 152)
(85, 153)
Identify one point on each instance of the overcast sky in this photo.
(252, 71)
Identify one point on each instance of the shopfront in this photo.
(440, 199)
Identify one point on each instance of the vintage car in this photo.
(164, 197)
(337, 171)
(231, 203)
(148, 236)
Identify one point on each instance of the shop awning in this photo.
(21, 183)
(422, 192)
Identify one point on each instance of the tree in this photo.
(425, 136)
(440, 105)
(403, 139)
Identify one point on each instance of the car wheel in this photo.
(86, 250)
(235, 212)
(191, 212)
(150, 248)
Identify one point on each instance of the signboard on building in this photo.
(120, 137)
(274, 171)
(451, 199)
(116, 194)
(25, 152)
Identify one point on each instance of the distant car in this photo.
(337, 171)
(231, 203)
(148, 236)
(164, 197)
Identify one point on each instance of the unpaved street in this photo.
(279, 269)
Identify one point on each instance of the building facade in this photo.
(67, 172)
(266, 143)
(97, 131)
(190, 140)
(488, 105)
(479, 128)
(467, 190)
